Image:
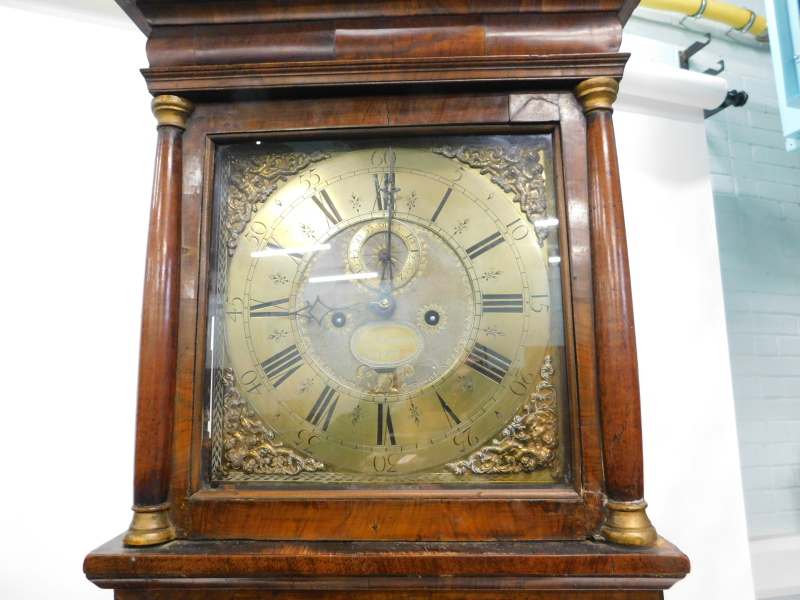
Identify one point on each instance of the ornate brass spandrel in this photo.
(247, 444)
(516, 169)
(529, 443)
(253, 179)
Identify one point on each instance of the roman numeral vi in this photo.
(385, 428)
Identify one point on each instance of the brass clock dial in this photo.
(386, 311)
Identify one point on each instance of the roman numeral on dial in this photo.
(488, 363)
(378, 193)
(295, 256)
(323, 408)
(502, 303)
(441, 205)
(451, 416)
(485, 245)
(281, 366)
(385, 428)
(327, 206)
(270, 309)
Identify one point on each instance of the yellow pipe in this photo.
(716, 11)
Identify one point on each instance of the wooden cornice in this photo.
(149, 14)
(221, 82)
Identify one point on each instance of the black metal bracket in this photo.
(713, 71)
(685, 55)
(733, 98)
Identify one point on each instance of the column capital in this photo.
(598, 93)
(171, 111)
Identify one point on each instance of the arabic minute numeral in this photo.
(250, 383)
(307, 440)
(464, 439)
(310, 180)
(237, 308)
(385, 464)
(539, 304)
(520, 232)
(519, 387)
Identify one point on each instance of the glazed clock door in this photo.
(387, 314)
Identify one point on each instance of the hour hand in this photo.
(318, 311)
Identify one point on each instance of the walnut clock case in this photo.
(387, 338)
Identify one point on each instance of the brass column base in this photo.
(150, 525)
(627, 523)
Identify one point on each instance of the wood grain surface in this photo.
(324, 69)
(618, 373)
(334, 571)
(511, 591)
(406, 37)
(148, 14)
(480, 74)
(158, 352)
(570, 513)
(235, 559)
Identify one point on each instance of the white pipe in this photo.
(655, 83)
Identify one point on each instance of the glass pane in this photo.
(388, 312)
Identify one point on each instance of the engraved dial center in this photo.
(382, 326)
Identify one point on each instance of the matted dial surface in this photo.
(385, 311)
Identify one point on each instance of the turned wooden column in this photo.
(618, 375)
(158, 352)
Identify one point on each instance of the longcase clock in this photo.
(387, 338)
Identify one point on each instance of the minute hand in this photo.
(391, 192)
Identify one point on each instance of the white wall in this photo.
(77, 164)
(77, 160)
(692, 477)
(756, 186)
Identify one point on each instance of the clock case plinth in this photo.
(248, 570)
(265, 68)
